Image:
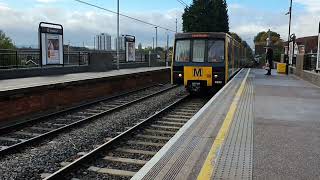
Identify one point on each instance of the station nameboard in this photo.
(51, 43)
(318, 52)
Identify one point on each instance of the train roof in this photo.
(218, 35)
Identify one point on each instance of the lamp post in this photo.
(118, 33)
(290, 16)
(156, 37)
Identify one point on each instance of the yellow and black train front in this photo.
(204, 61)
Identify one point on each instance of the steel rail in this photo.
(6, 129)
(62, 173)
(19, 146)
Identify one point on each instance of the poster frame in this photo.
(127, 39)
(318, 52)
(49, 29)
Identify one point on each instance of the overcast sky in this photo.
(20, 18)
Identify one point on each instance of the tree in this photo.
(5, 42)
(261, 38)
(206, 16)
(260, 41)
(140, 47)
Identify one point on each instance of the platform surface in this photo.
(21, 83)
(257, 127)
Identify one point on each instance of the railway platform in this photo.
(26, 98)
(256, 127)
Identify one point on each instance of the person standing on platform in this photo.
(269, 60)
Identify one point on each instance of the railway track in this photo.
(16, 137)
(124, 155)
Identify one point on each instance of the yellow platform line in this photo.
(208, 166)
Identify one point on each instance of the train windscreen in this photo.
(199, 47)
(182, 52)
(215, 51)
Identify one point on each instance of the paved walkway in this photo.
(259, 127)
(21, 83)
(286, 128)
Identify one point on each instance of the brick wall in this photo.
(38, 101)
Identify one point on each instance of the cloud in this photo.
(311, 5)
(81, 27)
(247, 22)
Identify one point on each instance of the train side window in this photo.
(182, 52)
(215, 51)
(198, 53)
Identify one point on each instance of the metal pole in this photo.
(156, 37)
(152, 43)
(68, 52)
(287, 59)
(176, 25)
(167, 50)
(118, 34)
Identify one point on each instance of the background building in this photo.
(103, 42)
(121, 41)
(304, 45)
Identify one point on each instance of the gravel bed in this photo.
(143, 147)
(117, 165)
(130, 155)
(89, 175)
(46, 157)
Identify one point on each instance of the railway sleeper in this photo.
(115, 172)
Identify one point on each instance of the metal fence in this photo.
(310, 62)
(10, 59)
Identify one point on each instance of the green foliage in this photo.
(5, 42)
(277, 43)
(261, 38)
(206, 16)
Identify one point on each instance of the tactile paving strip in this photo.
(235, 157)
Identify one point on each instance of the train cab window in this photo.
(215, 51)
(198, 50)
(182, 53)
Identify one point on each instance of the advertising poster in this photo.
(318, 52)
(53, 49)
(130, 49)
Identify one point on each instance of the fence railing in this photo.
(10, 59)
(310, 62)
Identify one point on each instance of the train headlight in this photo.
(180, 75)
(216, 76)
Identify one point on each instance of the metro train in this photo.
(205, 61)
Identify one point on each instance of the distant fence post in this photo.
(16, 58)
(79, 58)
(149, 58)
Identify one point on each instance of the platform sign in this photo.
(51, 43)
(130, 48)
(318, 53)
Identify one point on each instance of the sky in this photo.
(19, 19)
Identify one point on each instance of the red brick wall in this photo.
(37, 101)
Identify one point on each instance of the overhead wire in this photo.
(183, 3)
(123, 15)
